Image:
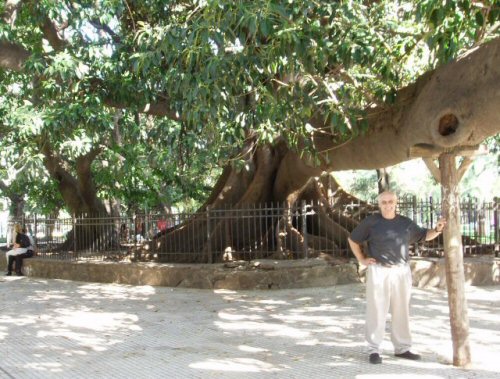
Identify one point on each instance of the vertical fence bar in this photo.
(35, 232)
(431, 211)
(272, 237)
(481, 227)
(471, 232)
(268, 227)
(431, 214)
(74, 233)
(415, 216)
(145, 230)
(253, 246)
(134, 220)
(209, 236)
(496, 225)
(304, 228)
(194, 241)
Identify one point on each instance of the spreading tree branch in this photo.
(433, 168)
(11, 8)
(160, 108)
(50, 31)
(464, 166)
(455, 105)
(100, 26)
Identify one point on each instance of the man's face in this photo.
(387, 204)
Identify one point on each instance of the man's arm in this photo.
(433, 233)
(358, 253)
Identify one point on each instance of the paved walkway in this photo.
(63, 329)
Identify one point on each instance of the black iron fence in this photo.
(305, 229)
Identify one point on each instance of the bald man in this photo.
(388, 277)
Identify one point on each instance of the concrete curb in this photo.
(262, 274)
(259, 274)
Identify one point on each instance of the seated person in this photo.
(23, 244)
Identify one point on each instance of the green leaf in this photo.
(479, 18)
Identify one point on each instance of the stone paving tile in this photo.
(64, 329)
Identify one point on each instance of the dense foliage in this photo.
(165, 92)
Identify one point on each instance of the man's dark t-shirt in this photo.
(388, 239)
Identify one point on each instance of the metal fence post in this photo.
(431, 211)
(209, 237)
(146, 223)
(74, 234)
(415, 216)
(134, 219)
(35, 231)
(496, 224)
(304, 228)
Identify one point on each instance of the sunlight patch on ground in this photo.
(235, 365)
(399, 376)
(269, 329)
(115, 291)
(53, 367)
(271, 302)
(102, 330)
(87, 342)
(98, 321)
(251, 349)
(239, 317)
(224, 292)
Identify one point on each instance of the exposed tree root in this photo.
(249, 215)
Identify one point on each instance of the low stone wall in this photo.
(262, 274)
(478, 271)
(259, 274)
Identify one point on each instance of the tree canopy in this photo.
(155, 92)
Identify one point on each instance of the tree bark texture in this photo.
(276, 176)
(454, 105)
(12, 57)
(455, 278)
(80, 196)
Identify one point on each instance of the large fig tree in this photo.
(287, 89)
(281, 91)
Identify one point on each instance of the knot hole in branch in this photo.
(448, 124)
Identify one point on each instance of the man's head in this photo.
(387, 201)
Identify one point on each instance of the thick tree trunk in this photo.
(273, 175)
(17, 206)
(80, 196)
(455, 277)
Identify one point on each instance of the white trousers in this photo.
(388, 289)
(15, 251)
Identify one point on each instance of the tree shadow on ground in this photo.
(59, 328)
